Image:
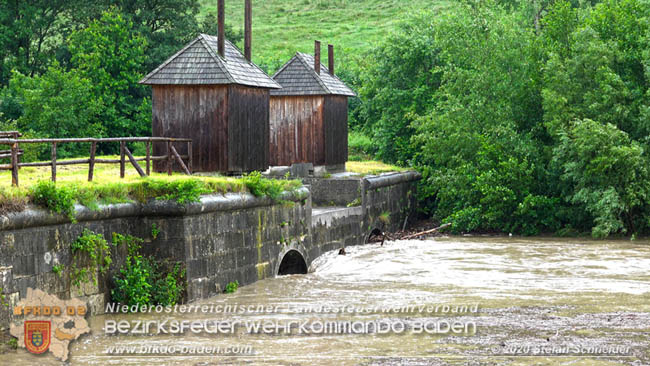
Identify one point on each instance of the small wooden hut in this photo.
(309, 115)
(216, 96)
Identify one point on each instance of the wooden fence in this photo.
(171, 156)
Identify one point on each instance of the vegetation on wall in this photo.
(71, 188)
(143, 280)
(90, 255)
(232, 287)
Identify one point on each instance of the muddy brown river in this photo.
(445, 301)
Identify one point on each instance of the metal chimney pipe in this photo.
(317, 57)
(247, 29)
(330, 58)
(221, 15)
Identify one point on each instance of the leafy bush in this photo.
(272, 188)
(57, 104)
(361, 147)
(133, 285)
(90, 255)
(607, 174)
(232, 287)
(145, 281)
(169, 285)
(58, 199)
(519, 120)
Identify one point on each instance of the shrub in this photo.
(271, 188)
(90, 255)
(133, 285)
(145, 281)
(361, 147)
(182, 191)
(169, 285)
(58, 199)
(232, 287)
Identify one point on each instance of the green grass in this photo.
(107, 187)
(371, 167)
(280, 28)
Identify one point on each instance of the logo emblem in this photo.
(37, 335)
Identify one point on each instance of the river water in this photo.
(510, 301)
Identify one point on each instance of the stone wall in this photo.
(221, 239)
(334, 191)
(386, 203)
(235, 237)
(389, 200)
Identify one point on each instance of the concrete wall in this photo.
(334, 191)
(234, 237)
(387, 201)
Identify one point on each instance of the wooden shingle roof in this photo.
(298, 77)
(199, 63)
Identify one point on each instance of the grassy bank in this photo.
(281, 28)
(107, 188)
(73, 188)
(370, 167)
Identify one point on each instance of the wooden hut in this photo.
(211, 93)
(309, 115)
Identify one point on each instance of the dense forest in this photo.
(523, 116)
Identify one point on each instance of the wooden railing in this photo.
(9, 135)
(171, 156)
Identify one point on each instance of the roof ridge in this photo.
(169, 60)
(253, 64)
(286, 64)
(313, 73)
(217, 58)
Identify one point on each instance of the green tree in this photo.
(110, 56)
(606, 174)
(30, 33)
(477, 145)
(209, 25)
(397, 84)
(166, 25)
(57, 104)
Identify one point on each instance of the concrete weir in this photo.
(222, 238)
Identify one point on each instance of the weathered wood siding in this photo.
(228, 125)
(297, 130)
(336, 129)
(196, 112)
(309, 129)
(248, 129)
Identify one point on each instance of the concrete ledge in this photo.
(35, 216)
(391, 179)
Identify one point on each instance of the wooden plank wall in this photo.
(336, 129)
(248, 126)
(196, 112)
(297, 130)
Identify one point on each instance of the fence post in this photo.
(14, 164)
(179, 160)
(91, 166)
(54, 162)
(189, 156)
(122, 144)
(169, 158)
(148, 157)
